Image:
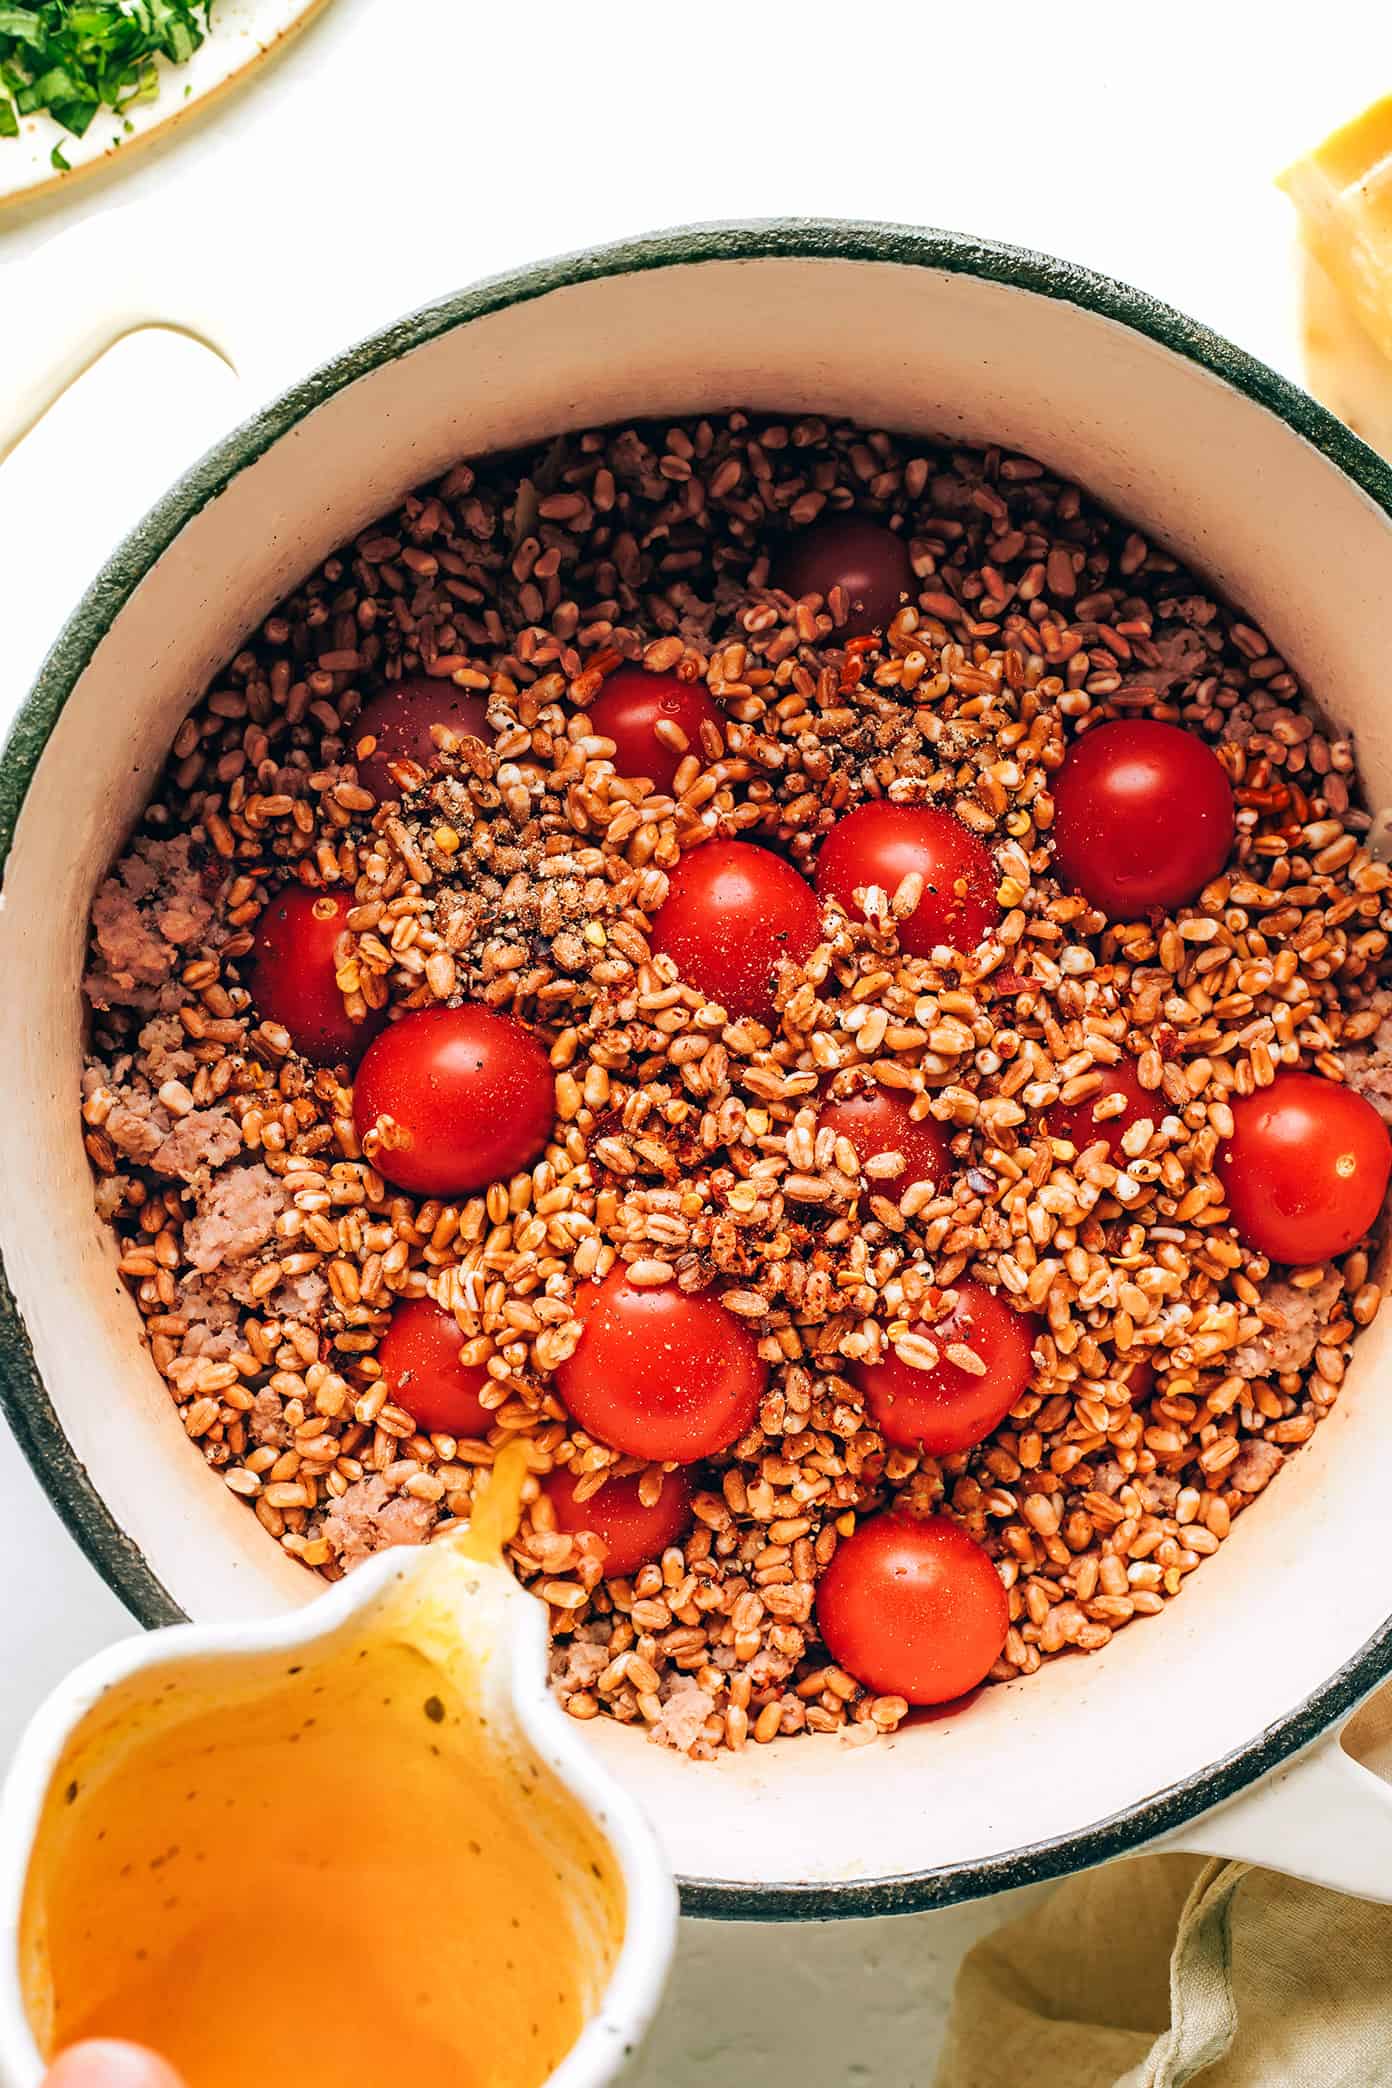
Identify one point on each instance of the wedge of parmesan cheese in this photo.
(1343, 366)
(1343, 192)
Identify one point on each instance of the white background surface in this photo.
(403, 148)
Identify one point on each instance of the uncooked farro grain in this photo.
(524, 874)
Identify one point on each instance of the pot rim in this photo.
(23, 1398)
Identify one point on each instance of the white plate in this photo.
(243, 32)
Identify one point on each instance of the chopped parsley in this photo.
(73, 57)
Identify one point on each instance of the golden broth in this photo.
(329, 1869)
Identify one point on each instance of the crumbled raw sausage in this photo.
(1296, 1320)
(234, 1217)
(267, 1421)
(212, 1316)
(370, 1519)
(1368, 1068)
(151, 910)
(1255, 1465)
(198, 1143)
(679, 1723)
(163, 1052)
(577, 1664)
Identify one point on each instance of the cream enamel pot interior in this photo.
(1287, 1628)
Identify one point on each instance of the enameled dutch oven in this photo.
(1287, 1628)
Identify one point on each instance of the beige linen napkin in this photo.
(1171, 1969)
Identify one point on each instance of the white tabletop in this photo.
(402, 148)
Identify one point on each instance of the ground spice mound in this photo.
(265, 1252)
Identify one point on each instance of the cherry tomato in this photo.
(399, 718)
(950, 1407)
(913, 1608)
(631, 706)
(878, 1121)
(419, 1355)
(1077, 1121)
(869, 561)
(1306, 1168)
(881, 844)
(661, 1373)
(732, 913)
(631, 1533)
(1139, 1381)
(1143, 816)
(291, 977)
(470, 1095)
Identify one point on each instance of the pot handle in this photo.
(1324, 1817)
(90, 286)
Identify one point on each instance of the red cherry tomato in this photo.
(631, 706)
(664, 1374)
(881, 844)
(1139, 1381)
(470, 1095)
(399, 718)
(913, 1609)
(291, 978)
(1143, 816)
(1077, 1121)
(732, 913)
(419, 1355)
(1306, 1168)
(631, 1533)
(950, 1407)
(878, 1121)
(869, 561)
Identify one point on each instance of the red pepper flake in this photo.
(1167, 1042)
(1002, 983)
(853, 666)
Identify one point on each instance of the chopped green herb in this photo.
(56, 159)
(73, 57)
(22, 24)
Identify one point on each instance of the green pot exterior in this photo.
(22, 1394)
